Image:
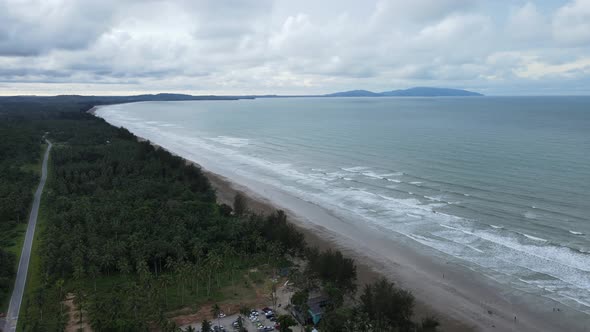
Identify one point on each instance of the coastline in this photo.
(225, 191)
(488, 312)
(461, 299)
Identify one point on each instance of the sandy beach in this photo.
(321, 238)
(461, 299)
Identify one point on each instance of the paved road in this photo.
(23, 264)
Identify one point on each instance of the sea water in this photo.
(499, 184)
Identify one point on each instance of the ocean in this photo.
(500, 185)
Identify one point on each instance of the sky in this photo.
(232, 47)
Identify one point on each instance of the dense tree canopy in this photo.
(332, 267)
(127, 218)
(20, 151)
(131, 232)
(388, 307)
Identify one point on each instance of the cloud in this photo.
(538, 69)
(420, 11)
(31, 27)
(528, 24)
(264, 46)
(571, 24)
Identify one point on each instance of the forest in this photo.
(20, 153)
(131, 233)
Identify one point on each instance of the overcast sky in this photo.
(500, 47)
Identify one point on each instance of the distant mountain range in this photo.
(86, 102)
(412, 92)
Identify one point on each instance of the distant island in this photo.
(87, 102)
(412, 92)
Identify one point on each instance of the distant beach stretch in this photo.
(476, 205)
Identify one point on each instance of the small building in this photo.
(316, 304)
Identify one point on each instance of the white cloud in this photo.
(30, 27)
(538, 69)
(571, 24)
(527, 23)
(263, 46)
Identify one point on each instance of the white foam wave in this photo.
(576, 233)
(230, 141)
(356, 169)
(534, 238)
(405, 216)
(373, 175)
(526, 281)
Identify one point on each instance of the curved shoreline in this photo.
(462, 299)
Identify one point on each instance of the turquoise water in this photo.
(499, 184)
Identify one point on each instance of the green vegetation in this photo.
(132, 232)
(20, 146)
(7, 272)
(381, 307)
(285, 321)
(134, 235)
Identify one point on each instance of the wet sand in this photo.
(459, 298)
(318, 237)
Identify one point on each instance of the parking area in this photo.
(258, 321)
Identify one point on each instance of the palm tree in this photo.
(206, 326)
(273, 295)
(164, 281)
(245, 310)
(215, 262)
(59, 284)
(216, 310)
(285, 322)
(229, 253)
(241, 324)
(183, 272)
(190, 329)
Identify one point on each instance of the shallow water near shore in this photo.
(499, 186)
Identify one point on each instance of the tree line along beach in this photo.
(118, 212)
